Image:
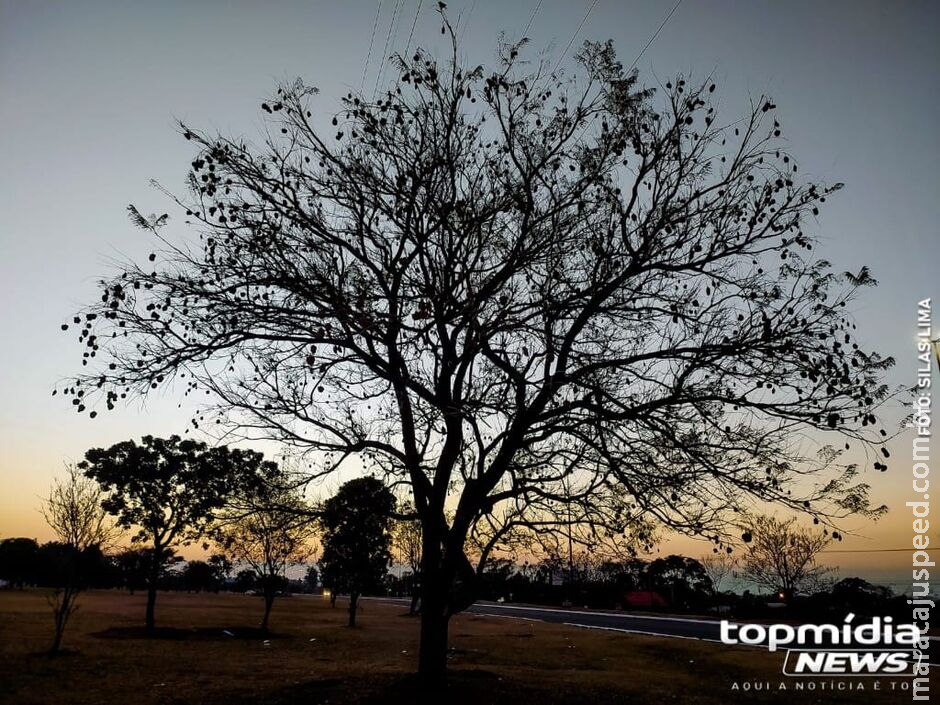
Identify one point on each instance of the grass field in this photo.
(312, 657)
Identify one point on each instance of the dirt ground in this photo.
(207, 650)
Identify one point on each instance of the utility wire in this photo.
(375, 25)
(413, 25)
(655, 34)
(388, 36)
(574, 36)
(643, 51)
(466, 21)
(525, 32)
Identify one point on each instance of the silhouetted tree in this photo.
(133, 567)
(168, 490)
(18, 561)
(718, 566)
(74, 512)
(860, 596)
(198, 576)
(312, 578)
(626, 575)
(221, 568)
(504, 287)
(356, 538)
(781, 556)
(495, 578)
(245, 580)
(270, 529)
(406, 537)
(680, 578)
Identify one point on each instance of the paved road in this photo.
(672, 627)
(676, 627)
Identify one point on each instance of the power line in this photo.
(375, 25)
(388, 36)
(574, 36)
(413, 25)
(466, 21)
(655, 34)
(651, 40)
(525, 32)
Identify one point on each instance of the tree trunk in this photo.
(435, 589)
(268, 604)
(64, 605)
(57, 641)
(60, 616)
(153, 577)
(353, 606)
(432, 653)
(151, 601)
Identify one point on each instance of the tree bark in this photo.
(353, 605)
(57, 641)
(435, 588)
(62, 610)
(268, 604)
(153, 577)
(151, 601)
(432, 653)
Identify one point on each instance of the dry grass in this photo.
(313, 658)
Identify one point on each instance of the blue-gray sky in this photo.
(89, 91)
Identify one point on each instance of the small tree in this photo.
(860, 596)
(221, 568)
(312, 578)
(198, 576)
(356, 538)
(133, 567)
(407, 539)
(245, 580)
(169, 489)
(75, 514)
(683, 580)
(781, 556)
(271, 530)
(718, 566)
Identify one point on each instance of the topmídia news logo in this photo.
(875, 648)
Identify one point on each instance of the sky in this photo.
(90, 91)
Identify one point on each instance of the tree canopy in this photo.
(782, 556)
(269, 528)
(168, 489)
(356, 536)
(568, 300)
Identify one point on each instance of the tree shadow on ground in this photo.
(194, 634)
(60, 655)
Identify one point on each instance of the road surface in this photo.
(651, 625)
(674, 627)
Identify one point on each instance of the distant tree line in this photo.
(169, 493)
(24, 563)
